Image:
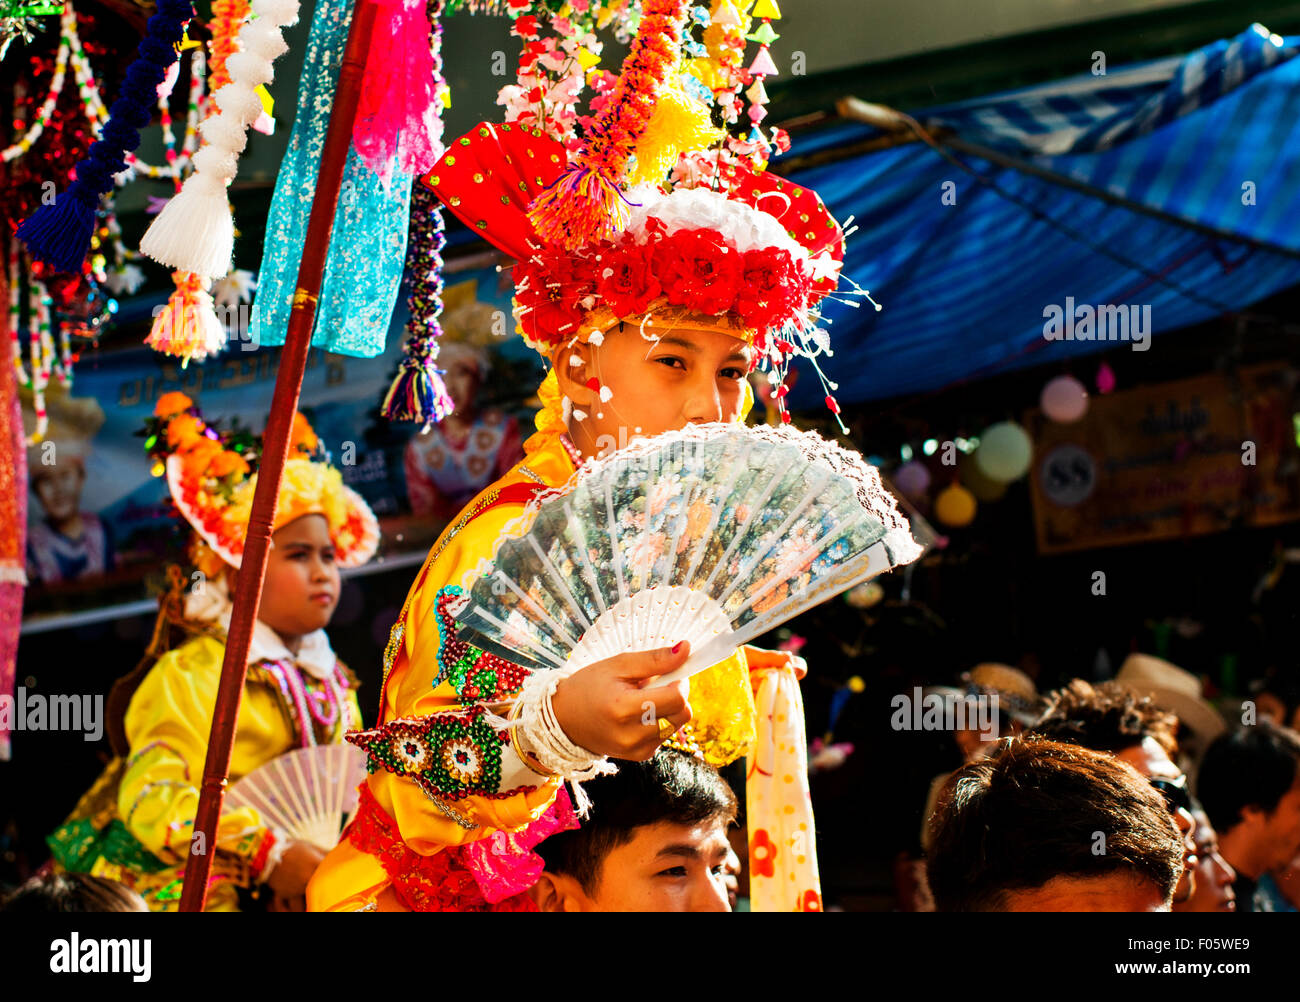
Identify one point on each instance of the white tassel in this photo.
(195, 232)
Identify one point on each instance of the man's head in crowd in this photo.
(1110, 718)
(655, 841)
(1044, 826)
(72, 892)
(1249, 782)
(1214, 875)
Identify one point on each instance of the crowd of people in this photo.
(1109, 801)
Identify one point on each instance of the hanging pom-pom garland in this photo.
(227, 16)
(586, 202)
(59, 233)
(196, 231)
(418, 393)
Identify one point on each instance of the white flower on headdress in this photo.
(743, 226)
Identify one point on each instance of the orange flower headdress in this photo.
(212, 476)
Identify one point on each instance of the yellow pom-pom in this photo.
(679, 123)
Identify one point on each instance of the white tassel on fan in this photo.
(195, 231)
(714, 534)
(305, 793)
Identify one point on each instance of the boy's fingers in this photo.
(648, 664)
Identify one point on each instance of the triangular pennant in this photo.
(764, 34)
(727, 16)
(763, 65)
(766, 8)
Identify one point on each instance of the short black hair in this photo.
(672, 787)
(1251, 767)
(71, 892)
(1031, 811)
(1106, 717)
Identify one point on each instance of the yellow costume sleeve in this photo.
(442, 773)
(167, 725)
(447, 777)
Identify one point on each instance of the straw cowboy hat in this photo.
(1174, 689)
(1016, 689)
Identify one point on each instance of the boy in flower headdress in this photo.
(652, 307)
(135, 824)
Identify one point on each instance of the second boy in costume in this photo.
(136, 823)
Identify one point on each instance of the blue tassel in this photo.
(59, 233)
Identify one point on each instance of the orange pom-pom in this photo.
(196, 458)
(302, 436)
(172, 403)
(226, 463)
(184, 431)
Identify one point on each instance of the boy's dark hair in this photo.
(1252, 767)
(71, 892)
(1032, 811)
(1105, 717)
(672, 787)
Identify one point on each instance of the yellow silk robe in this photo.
(352, 880)
(154, 792)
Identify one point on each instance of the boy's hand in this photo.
(613, 708)
(288, 881)
(759, 657)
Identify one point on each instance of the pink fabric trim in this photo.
(504, 864)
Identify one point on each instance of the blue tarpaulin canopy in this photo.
(1210, 142)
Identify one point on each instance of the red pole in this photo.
(284, 403)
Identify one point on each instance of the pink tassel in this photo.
(400, 110)
(187, 326)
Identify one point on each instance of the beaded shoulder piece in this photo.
(473, 673)
(449, 755)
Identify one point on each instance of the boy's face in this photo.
(302, 578)
(1279, 830)
(685, 375)
(664, 868)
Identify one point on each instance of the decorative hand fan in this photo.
(714, 534)
(305, 793)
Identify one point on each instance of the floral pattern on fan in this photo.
(715, 534)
